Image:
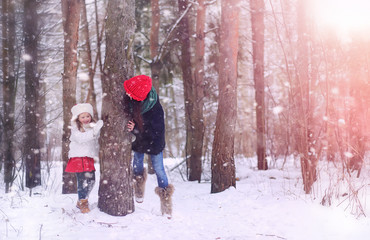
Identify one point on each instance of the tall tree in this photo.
(356, 109)
(258, 43)
(194, 125)
(155, 64)
(194, 143)
(115, 189)
(301, 89)
(71, 10)
(87, 58)
(9, 89)
(223, 165)
(31, 142)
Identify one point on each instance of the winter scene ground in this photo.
(264, 205)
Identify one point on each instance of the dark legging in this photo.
(85, 183)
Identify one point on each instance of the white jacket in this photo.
(84, 144)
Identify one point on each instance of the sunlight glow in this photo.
(343, 15)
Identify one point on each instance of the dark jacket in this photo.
(152, 139)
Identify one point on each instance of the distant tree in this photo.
(71, 10)
(155, 64)
(32, 152)
(223, 164)
(115, 188)
(9, 89)
(194, 143)
(258, 43)
(357, 108)
(303, 106)
(87, 59)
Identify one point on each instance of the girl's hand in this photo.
(130, 126)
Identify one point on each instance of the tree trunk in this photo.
(31, 142)
(87, 58)
(9, 90)
(155, 65)
(302, 102)
(193, 152)
(195, 149)
(115, 189)
(258, 28)
(71, 17)
(223, 166)
(357, 110)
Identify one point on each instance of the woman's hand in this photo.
(130, 126)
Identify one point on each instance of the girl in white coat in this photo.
(83, 151)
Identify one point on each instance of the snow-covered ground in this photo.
(265, 205)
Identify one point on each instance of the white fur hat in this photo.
(81, 108)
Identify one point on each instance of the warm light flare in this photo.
(343, 15)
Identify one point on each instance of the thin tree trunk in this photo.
(183, 35)
(302, 102)
(357, 110)
(258, 28)
(91, 95)
(195, 148)
(155, 65)
(193, 152)
(223, 165)
(9, 90)
(115, 189)
(71, 17)
(31, 141)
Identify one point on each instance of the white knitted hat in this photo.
(81, 108)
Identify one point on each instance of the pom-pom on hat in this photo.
(81, 108)
(138, 87)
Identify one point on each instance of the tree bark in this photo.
(31, 142)
(9, 90)
(116, 189)
(223, 165)
(71, 17)
(258, 28)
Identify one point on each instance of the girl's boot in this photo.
(83, 205)
(165, 195)
(139, 185)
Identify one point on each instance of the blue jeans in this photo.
(85, 183)
(157, 162)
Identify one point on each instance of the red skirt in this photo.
(80, 164)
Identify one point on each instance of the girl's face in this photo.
(84, 118)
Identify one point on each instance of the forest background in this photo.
(236, 78)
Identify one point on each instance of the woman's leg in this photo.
(140, 176)
(157, 161)
(164, 190)
(138, 164)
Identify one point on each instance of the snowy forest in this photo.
(251, 89)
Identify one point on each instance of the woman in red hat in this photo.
(148, 127)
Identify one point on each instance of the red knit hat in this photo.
(138, 87)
